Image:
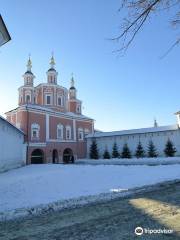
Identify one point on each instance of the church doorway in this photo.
(68, 156)
(37, 156)
(55, 156)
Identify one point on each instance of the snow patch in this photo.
(36, 187)
(131, 161)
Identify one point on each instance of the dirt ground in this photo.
(113, 220)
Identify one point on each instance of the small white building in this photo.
(12, 147)
(159, 136)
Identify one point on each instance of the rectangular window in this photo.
(34, 133)
(68, 134)
(78, 109)
(48, 99)
(59, 133)
(80, 135)
(59, 101)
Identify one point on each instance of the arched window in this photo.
(59, 101)
(28, 98)
(59, 131)
(80, 134)
(35, 131)
(68, 132)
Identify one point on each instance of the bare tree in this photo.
(138, 12)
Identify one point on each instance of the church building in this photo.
(56, 131)
(51, 118)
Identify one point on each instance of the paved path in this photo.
(114, 220)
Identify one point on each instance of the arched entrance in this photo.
(37, 156)
(68, 156)
(55, 156)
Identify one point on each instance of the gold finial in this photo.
(72, 80)
(29, 63)
(155, 123)
(52, 61)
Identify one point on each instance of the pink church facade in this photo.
(51, 118)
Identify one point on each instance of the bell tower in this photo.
(26, 92)
(52, 73)
(74, 103)
(28, 75)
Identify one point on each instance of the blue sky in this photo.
(118, 92)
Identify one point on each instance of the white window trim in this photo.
(60, 127)
(59, 96)
(80, 131)
(68, 128)
(46, 95)
(35, 127)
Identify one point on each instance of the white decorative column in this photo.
(47, 126)
(74, 129)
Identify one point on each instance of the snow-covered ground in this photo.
(131, 161)
(42, 184)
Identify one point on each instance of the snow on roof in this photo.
(134, 131)
(3, 119)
